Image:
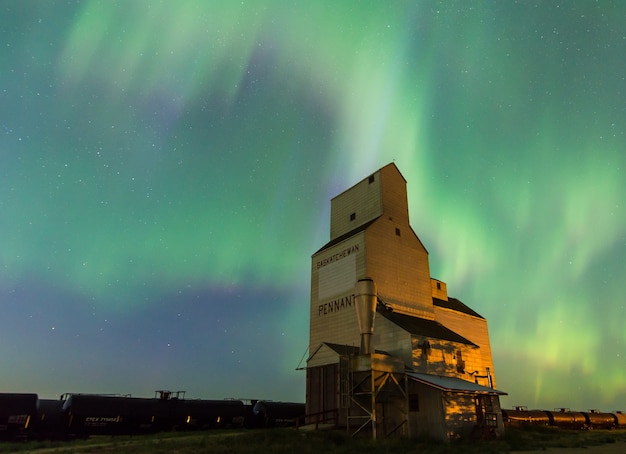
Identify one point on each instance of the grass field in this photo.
(328, 442)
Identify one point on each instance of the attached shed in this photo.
(447, 408)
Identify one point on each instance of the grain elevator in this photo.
(390, 353)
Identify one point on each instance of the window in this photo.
(438, 285)
(371, 179)
(460, 364)
(425, 347)
(397, 231)
(414, 402)
(353, 216)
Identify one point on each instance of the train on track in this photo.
(27, 417)
(565, 418)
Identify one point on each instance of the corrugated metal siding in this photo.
(364, 200)
(428, 421)
(399, 266)
(460, 414)
(392, 339)
(333, 317)
(322, 389)
(474, 329)
(441, 357)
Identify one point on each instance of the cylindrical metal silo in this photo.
(365, 302)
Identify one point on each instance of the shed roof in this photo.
(349, 349)
(342, 350)
(424, 327)
(456, 305)
(453, 384)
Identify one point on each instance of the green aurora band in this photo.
(153, 147)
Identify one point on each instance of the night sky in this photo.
(166, 170)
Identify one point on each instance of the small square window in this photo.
(353, 216)
(397, 231)
(371, 179)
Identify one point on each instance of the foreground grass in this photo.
(292, 441)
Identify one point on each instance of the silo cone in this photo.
(365, 303)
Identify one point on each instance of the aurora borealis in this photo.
(166, 170)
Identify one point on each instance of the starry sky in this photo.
(166, 170)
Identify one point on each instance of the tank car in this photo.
(17, 413)
(598, 420)
(520, 416)
(205, 414)
(275, 414)
(88, 414)
(567, 419)
(50, 421)
(620, 419)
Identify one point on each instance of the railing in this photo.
(321, 417)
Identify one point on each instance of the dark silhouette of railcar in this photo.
(17, 413)
(50, 423)
(207, 414)
(87, 414)
(278, 414)
(25, 416)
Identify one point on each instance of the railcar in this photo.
(521, 416)
(88, 414)
(568, 419)
(50, 424)
(278, 414)
(620, 419)
(598, 420)
(17, 412)
(207, 414)
(564, 418)
(25, 416)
